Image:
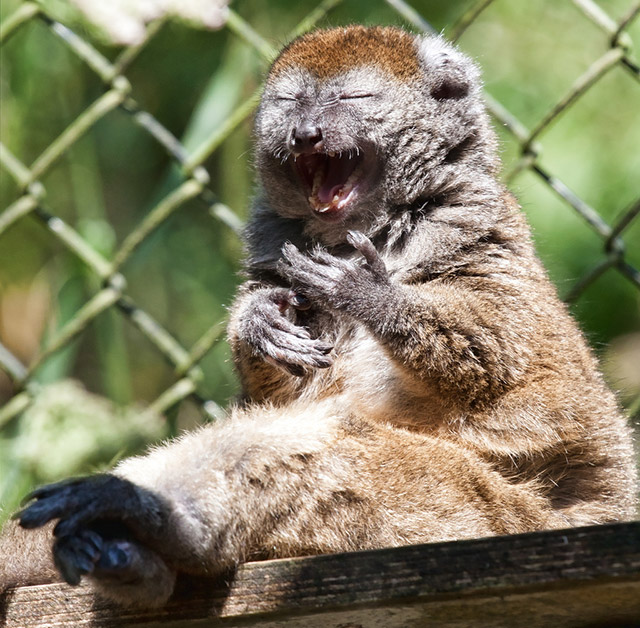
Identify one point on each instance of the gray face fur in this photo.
(401, 142)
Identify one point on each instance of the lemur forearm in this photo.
(442, 333)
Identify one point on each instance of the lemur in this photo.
(408, 373)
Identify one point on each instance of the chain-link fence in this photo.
(612, 256)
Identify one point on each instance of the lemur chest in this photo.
(370, 382)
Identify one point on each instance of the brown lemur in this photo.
(409, 374)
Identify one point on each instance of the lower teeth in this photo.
(337, 202)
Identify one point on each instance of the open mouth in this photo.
(331, 181)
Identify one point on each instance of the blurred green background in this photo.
(185, 273)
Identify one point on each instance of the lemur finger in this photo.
(296, 344)
(297, 362)
(282, 324)
(69, 525)
(76, 555)
(309, 277)
(49, 489)
(303, 354)
(323, 347)
(293, 260)
(360, 242)
(290, 252)
(53, 506)
(55, 500)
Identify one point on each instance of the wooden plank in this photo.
(575, 577)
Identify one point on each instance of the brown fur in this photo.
(331, 52)
(549, 426)
(429, 386)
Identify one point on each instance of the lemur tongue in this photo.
(337, 172)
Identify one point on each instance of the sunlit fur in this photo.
(459, 399)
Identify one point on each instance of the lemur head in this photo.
(357, 121)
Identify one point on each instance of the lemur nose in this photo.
(306, 137)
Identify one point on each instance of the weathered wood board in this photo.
(587, 577)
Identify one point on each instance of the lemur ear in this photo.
(450, 75)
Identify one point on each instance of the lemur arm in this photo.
(270, 483)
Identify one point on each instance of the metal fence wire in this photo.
(195, 183)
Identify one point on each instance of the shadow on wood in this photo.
(588, 577)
